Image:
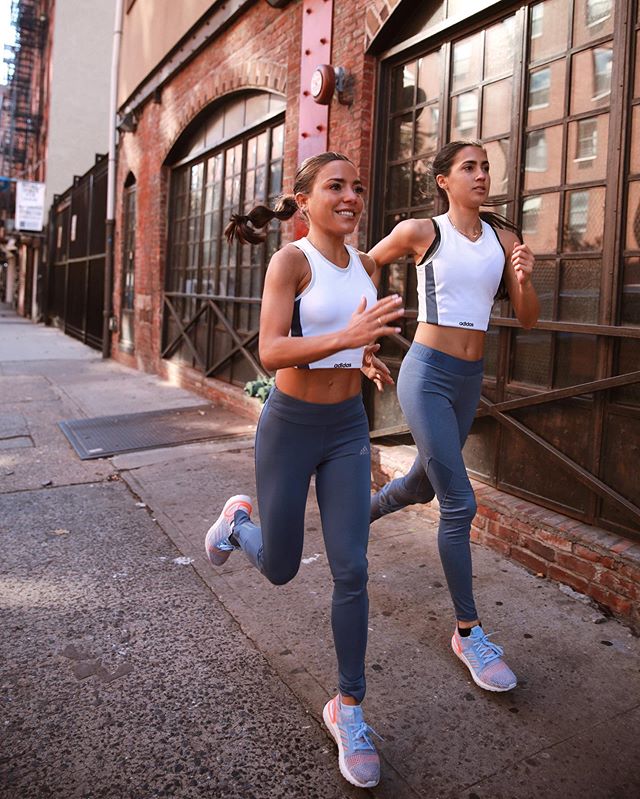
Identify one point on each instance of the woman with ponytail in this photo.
(464, 259)
(319, 320)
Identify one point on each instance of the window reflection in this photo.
(630, 305)
(591, 82)
(465, 115)
(584, 220)
(549, 28)
(467, 62)
(540, 222)
(633, 216)
(539, 87)
(543, 159)
(587, 156)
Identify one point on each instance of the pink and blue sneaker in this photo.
(357, 757)
(216, 543)
(484, 660)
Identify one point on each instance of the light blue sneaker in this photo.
(484, 660)
(357, 757)
(216, 543)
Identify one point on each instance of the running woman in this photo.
(319, 318)
(463, 258)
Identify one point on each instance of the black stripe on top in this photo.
(434, 244)
(296, 327)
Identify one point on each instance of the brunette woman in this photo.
(463, 257)
(319, 315)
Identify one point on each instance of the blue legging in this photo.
(294, 440)
(439, 395)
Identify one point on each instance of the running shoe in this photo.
(484, 660)
(216, 542)
(357, 757)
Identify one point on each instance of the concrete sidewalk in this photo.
(98, 551)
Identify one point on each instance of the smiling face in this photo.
(335, 202)
(468, 181)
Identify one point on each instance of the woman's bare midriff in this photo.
(325, 386)
(468, 345)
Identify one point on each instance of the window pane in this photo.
(427, 120)
(633, 216)
(399, 186)
(584, 220)
(429, 77)
(575, 360)
(636, 91)
(540, 222)
(531, 357)
(628, 361)
(634, 161)
(499, 49)
(423, 185)
(464, 116)
(466, 67)
(401, 137)
(579, 297)
(592, 19)
(546, 93)
(630, 301)
(549, 28)
(403, 81)
(543, 161)
(497, 108)
(587, 149)
(498, 155)
(591, 79)
(544, 282)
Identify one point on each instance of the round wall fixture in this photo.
(323, 84)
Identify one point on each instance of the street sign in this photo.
(29, 206)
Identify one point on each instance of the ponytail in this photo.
(248, 228)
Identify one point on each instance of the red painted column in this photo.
(317, 19)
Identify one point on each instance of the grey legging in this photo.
(294, 440)
(439, 395)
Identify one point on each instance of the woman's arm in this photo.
(518, 270)
(279, 350)
(410, 237)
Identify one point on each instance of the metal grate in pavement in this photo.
(104, 436)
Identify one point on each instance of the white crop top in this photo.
(327, 303)
(458, 278)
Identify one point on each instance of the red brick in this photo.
(584, 553)
(554, 540)
(620, 585)
(529, 560)
(574, 564)
(487, 512)
(562, 576)
(611, 600)
(497, 544)
(538, 548)
(503, 531)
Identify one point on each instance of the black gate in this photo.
(76, 260)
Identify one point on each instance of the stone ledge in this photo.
(599, 564)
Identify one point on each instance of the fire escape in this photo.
(21, 109)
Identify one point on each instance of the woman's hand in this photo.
(368, 325)
(522, 261)
(375, 369)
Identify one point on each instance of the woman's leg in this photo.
(342, 485)
(286, 454)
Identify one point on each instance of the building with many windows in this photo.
(217, 110)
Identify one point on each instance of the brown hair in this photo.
(441, 165)
(248, 227)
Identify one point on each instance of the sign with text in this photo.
(29, 206)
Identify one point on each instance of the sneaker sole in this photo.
(220, 556)
(475, 677)
(335, 734)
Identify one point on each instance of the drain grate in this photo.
(104, 436)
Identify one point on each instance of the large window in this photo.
(232, 162)
(127, 292)
(543, 112)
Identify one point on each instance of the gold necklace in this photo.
(470, 236)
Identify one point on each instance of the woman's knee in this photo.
(352, 579)
(460, 506)
(279, 575)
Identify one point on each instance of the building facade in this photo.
(220, 112)
(57, 115)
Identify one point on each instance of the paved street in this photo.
(131, 669)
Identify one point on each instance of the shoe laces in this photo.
(486, 649)
(362, 736)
